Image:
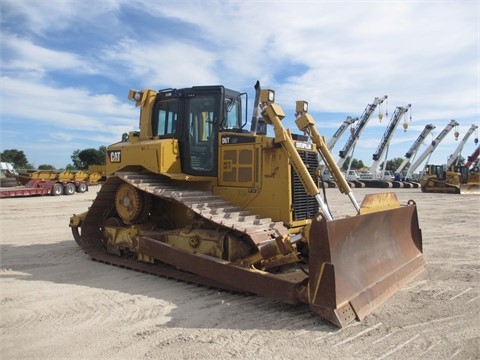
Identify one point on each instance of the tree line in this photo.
(356, 164)
(81, 159)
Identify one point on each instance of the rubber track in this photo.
(210, 207)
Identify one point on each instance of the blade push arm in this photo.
(273, 114)
(306, 123)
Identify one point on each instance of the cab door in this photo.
(199, 140)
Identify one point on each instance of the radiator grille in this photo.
(304, 206)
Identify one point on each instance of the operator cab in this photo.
(195, 116)
(463, 171)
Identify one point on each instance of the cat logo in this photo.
(303, 145)
(115, 156)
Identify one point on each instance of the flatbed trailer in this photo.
(44, 187)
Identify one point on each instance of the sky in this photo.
(67, 66)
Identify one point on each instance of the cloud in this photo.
(65, 108)
(49, 123)
(44, 17)
(152, 64)
(24, 57)
(67, 65)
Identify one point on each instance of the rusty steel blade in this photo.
(357, 263)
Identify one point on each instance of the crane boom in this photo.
(429, 150)
(346, 123)
(352, 140)
(453, 158)
(472, 158)
(414, 148)
(387, 136)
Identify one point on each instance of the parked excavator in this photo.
(196, 196)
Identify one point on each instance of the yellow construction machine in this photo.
(196, 196)
(458, 180)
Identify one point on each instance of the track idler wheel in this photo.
(132, 205)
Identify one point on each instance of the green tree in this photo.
(83, 158)
(392, 164)
(77, 163)
(103, 151)
(356, 164)
(16, 157)
(46, 167)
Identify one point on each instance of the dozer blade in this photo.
(472, 188)
(357, 263)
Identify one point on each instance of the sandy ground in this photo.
(58, 304)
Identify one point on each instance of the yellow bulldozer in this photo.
(194, 195)
(458, 180)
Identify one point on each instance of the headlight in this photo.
(301, 107)
(135, 95)
(267, 96)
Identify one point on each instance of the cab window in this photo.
(166, 119)
(232, 119)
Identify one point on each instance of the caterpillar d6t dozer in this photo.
(459, 180)
(195, 196)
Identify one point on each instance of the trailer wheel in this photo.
(69, 189)
(82, 187)
(57, 189)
